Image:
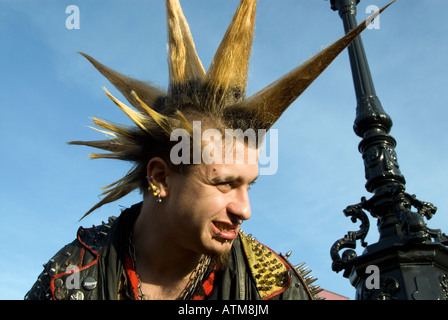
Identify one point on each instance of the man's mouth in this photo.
(225, 230)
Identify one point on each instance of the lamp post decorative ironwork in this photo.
(411, 259)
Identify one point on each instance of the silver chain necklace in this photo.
(195, 279)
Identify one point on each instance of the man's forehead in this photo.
(230, 151)
(242, 173)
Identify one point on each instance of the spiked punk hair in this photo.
(217, 95)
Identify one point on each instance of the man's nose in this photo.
(240, 205)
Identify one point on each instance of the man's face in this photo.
(211, 202)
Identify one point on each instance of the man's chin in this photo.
(219, 252)
(220, 260)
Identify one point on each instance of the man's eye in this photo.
(225, 186)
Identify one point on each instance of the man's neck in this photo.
(163, 266)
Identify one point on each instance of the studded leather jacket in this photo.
(91, 268)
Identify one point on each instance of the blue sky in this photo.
(48, 94)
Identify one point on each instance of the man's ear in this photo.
(157, 172)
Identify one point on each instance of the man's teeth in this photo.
(224, 227)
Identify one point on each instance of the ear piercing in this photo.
(155, 192)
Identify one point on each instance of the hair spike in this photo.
(160, 119)
(150, 94)
(138, 118)
(113, 145)
(119, 129)
(183, 61)
(184, 123)
(123, 187)
(107, 133)
(226, 79)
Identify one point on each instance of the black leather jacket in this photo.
(91, 267)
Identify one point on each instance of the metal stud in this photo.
(111, 220)
(297, 267)
(308, 279)
(304, 274)
(311, 280)
(302, 270)
(316, 290)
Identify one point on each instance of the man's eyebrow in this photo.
(220, 179)
(238, 179)
(253, 181)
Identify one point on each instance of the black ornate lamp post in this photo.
(409, 261)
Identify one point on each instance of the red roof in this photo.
(328, 295)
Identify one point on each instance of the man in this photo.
(183, 241)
